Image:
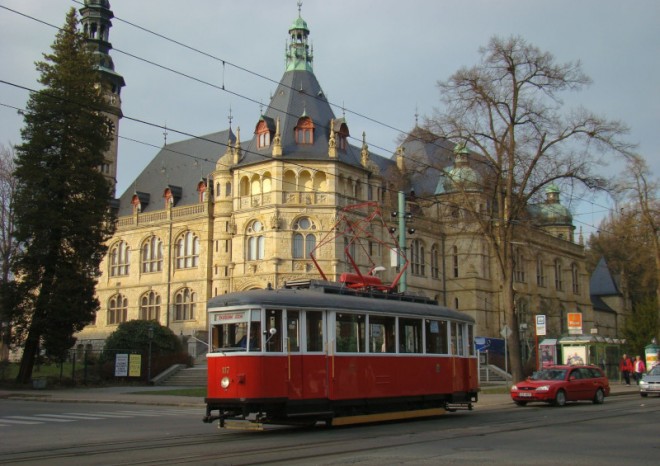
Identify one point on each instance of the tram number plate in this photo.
(524, 394)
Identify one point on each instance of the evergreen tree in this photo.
(62, 199)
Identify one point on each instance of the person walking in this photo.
(639, 369)
(626, 367)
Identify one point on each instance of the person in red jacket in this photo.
(626, 367)
(639, 368)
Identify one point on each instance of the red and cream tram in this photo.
(320, 351)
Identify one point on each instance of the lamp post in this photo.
(150, 335)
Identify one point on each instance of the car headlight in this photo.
(643, 383)
(224, 382)
(514, 388)
(543, 388)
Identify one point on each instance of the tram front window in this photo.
(239, 336)
(230, 336)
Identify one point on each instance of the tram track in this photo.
(318, 446)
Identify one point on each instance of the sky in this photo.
(378, 61)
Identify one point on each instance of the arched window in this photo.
(256, 247)
(304, 131)
(184, 304)
(152, 255)
(540, 271)
(435, 261)
(263, 134)
(187, 251)
(559, 283)
(117, 309)
(519, 266)
(454, 259)
(575, 278)
(417, 265)
(120, 258)
(304, 241)
(150, 306)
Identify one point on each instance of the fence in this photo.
(101, 366)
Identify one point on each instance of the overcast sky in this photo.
(377, 58)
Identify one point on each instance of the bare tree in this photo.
(637, 185)
(507, 110)
(8, 245)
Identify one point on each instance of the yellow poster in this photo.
(135, 365)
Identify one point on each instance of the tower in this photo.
(96, 21)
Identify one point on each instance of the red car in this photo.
(558, 384)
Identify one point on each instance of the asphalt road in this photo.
(624, 430)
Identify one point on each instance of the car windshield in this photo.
(655, 370)
(549, 374)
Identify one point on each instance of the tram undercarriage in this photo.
(255, 413)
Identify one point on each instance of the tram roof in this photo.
(323, 298)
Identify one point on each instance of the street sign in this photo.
(574, 323)
(506, 331)
(540, 325)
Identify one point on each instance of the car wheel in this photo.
(644, 395)
(560, 398)
(521, 403)
(599, 397)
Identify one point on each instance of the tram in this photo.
(319, 351)
(342, 352)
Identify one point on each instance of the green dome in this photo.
(462, 178)
(299, 23)
(555, 214)
(551, 212)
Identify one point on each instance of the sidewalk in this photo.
(150, 396)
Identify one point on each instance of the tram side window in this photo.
(350, 330)
(436, 337)
(410, 335)
(470, 340)
(381, 334)
(274, 321)
(293, 331)
(457, 339)
(314, 330)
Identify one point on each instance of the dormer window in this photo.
(342, 137)
(201, 191)
(263, 133)
(304, 131)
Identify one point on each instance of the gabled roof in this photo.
(299, 94)
(602, 283)
(180, 164)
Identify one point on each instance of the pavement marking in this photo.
(38, 417)
(16, 421)
(35, 419)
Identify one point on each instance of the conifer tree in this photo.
(62, 200)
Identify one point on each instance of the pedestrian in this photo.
(639, 369)
(626, 367)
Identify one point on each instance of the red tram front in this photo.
(325, 353)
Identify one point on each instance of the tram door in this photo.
(294, 357)
(314, 364)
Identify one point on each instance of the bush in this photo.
(133, 337)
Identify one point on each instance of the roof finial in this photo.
(230, 117)
(416, 116)
(165, 134)
(299, 8)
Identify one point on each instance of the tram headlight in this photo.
(224, 382)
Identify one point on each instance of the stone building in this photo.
(236, 210)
